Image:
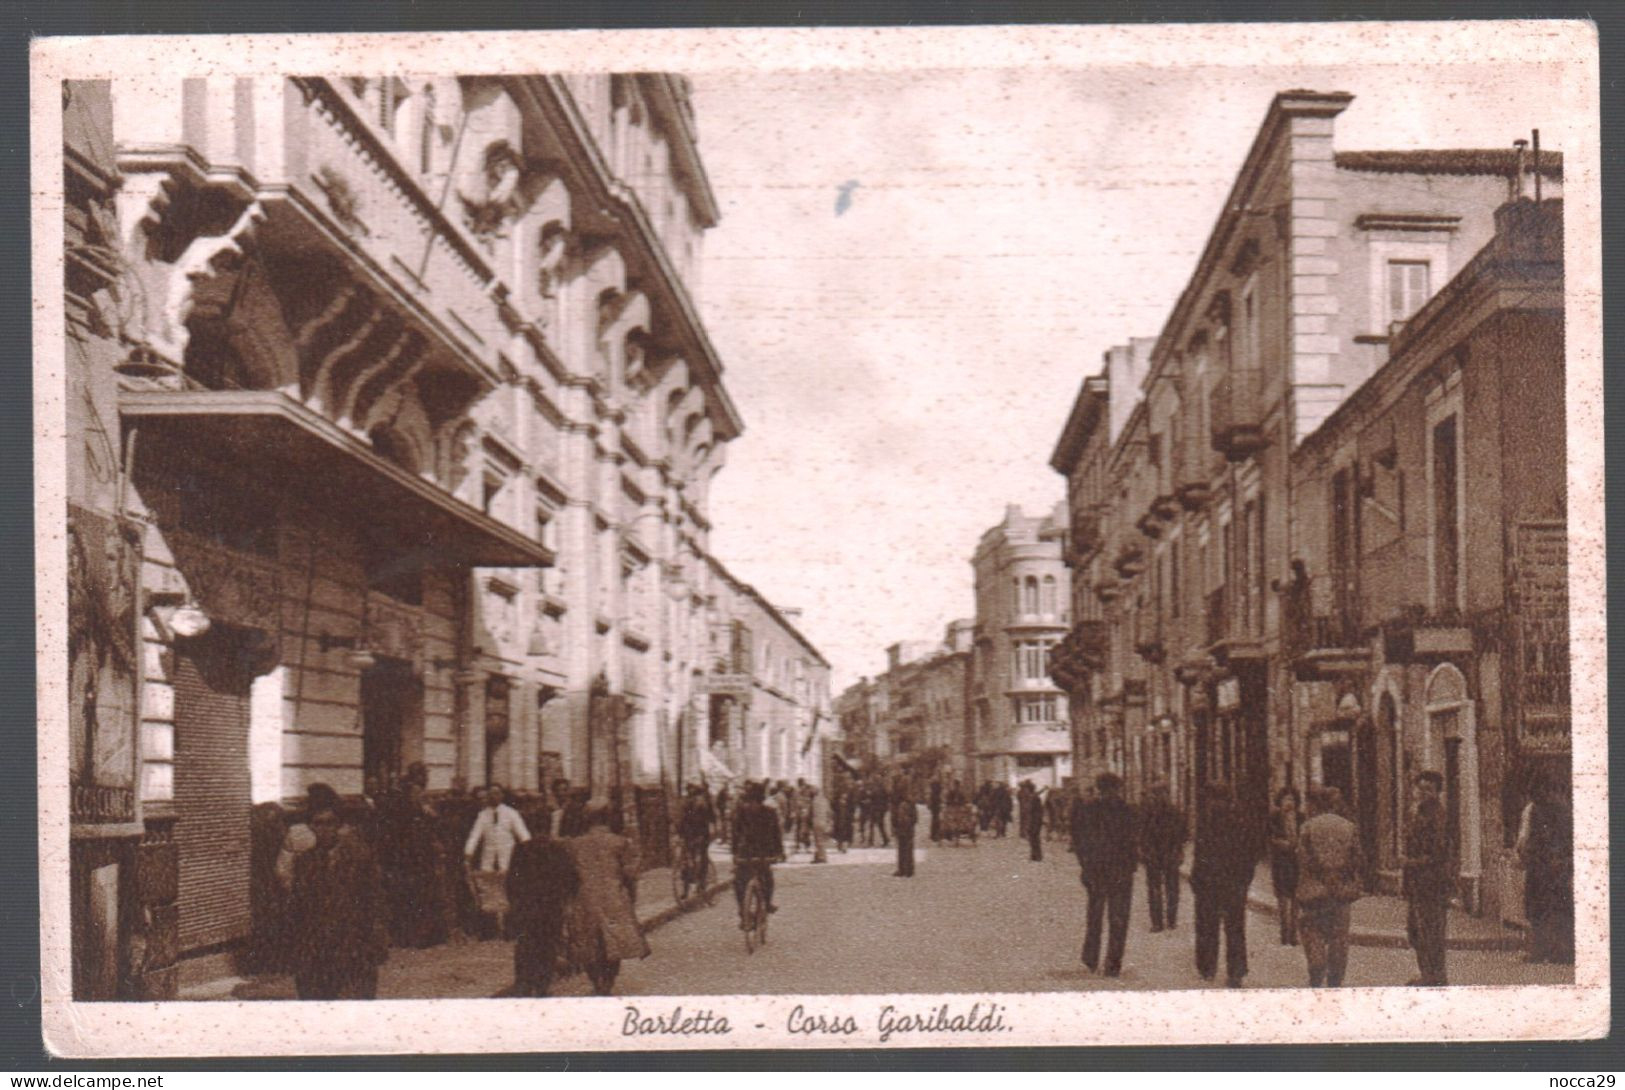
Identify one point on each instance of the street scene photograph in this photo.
(813, 531)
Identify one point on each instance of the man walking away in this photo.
(1546, 847)
(1329, 870)
(903, 819)
(541, 882)
(1032, 821)
(1109, 839)
(935, 805)
(821, 816)
(1003, 808)
(1227, 850)
(1428, 878)
(1162, 847)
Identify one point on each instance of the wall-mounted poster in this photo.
(104, 567)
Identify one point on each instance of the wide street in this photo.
(977, 918)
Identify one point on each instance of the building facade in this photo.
(393, 424)
(1022, 610)
(769, 708)
(917, 709)
(1187, 535)
(1427, 624)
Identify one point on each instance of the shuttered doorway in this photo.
(212, 791)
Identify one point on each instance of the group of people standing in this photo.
(397, 869)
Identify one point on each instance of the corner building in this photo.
(394, 431)
(1019, 716)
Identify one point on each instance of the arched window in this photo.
(1049, 595)
(1015, 595)
(1029, 600)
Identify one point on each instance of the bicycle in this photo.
(753, 909)
(689, 874)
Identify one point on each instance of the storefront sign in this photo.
(104, 571)
(1538, 585)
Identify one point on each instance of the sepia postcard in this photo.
(820, 538)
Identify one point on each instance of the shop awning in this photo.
(301, 453)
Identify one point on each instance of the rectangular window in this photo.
(1407, 288)
(1446, 518)
(1173, 578)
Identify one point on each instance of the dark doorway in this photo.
(391, 720)
(1336, 768)
(1365, 798)
(1452, 796)
(212, 679)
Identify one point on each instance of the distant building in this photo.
(1019, 716)
(769, 702)
(917, 707)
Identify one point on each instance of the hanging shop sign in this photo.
(1538, 587)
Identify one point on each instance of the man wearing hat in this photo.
(1428, 877)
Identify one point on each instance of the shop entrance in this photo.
(391, 720)
(212, 676)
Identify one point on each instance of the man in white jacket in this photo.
(497, 830)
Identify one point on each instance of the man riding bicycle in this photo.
(694, 828)
(758, 843)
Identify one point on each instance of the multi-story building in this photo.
(394, 424)
(1426, 625)
(769, 714)
(917, 707)
(1317, 261)
(1019, 719)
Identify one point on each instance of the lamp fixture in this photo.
(189, 621)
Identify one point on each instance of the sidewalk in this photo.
(1379, 920)
(461, 971)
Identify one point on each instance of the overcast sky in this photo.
(904, 365)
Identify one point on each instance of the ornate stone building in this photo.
(394, 392)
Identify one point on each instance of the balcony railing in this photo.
(1237, 415)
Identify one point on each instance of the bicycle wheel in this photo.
(761, 920)
(708, 882)
(679, 878)
(755, 915)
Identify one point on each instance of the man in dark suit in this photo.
(1032, 820)
(904, 816)
(1227, 851)
(1429, 876)
(1106, 837)
(935, 804)
(1162, 846)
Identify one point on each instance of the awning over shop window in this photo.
(301, 453)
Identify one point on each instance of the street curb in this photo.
(1390, 939)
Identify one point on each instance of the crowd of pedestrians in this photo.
(399, 869)
(1317, 873)
(342, 884)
